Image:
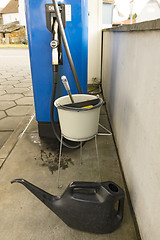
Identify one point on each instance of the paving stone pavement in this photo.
(16, 98)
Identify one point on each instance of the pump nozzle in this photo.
(67, 87)
(54, 44)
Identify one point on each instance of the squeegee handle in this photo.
(61, 29)
(70, 95)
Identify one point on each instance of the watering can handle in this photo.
(94, 185)
(120, 207)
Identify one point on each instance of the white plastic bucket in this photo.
(77, 124)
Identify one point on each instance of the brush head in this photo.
(65, 83)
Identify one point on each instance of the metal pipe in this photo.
(61, 28)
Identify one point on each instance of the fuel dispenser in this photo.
(57, 47)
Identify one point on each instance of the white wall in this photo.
(131, 85)
(10, 17)
(94, 39)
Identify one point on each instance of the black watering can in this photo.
(86, 206)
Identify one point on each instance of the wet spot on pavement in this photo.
(51, 159)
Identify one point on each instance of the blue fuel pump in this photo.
(40, 17)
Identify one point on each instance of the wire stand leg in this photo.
(81, 153)
(98, 158)
(59, 163)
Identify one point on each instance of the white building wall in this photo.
(131, 86)
(10, 17)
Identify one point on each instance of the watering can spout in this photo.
(46, 198)
(20, 180)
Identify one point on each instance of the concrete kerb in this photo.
(15, 136)
(13, 46)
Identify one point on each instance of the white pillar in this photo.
(94, 40)
(22, 17)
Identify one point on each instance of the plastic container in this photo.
(78, 124)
